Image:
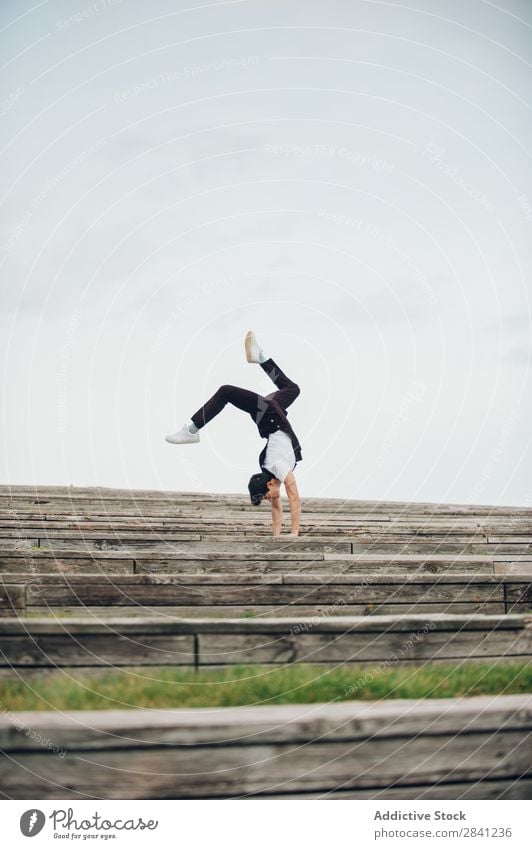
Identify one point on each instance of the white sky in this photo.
(350, 179)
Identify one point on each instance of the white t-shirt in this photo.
(279, 458)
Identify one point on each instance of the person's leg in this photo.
(243, 399)
(287, 389)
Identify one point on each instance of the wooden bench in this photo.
(245, 561)
(41, 643)
(470, 748)
(285, 593)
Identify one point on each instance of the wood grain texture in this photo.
(319, 593)
(255, 589)
(12, 598)
(511, 789)
(219, 642)
(198, 582)
(350, 747)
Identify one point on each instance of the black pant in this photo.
(244, 399)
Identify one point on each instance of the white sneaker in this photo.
(253, 348)
(181, 437)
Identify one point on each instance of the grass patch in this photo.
(251, 685)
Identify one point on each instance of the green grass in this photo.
(249, 685)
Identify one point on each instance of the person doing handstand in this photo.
(282, 451)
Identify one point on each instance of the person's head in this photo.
(262, 485)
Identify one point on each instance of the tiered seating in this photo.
(88, 552)
(96, 578)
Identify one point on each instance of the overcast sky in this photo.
(351, 179)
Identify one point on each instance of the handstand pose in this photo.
(282, 451)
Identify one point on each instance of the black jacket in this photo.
(274, 417)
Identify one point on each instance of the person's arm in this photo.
(293, 501)
(277, 513)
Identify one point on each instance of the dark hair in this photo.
(258, 487)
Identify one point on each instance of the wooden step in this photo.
(475, 748)
(190, 499)
(46, 643)
(329, 594)
(249, 562)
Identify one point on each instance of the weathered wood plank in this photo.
(511, 789)
(518, 598)
(407, 578)
(330, 639)
(172, 496)
(337, 625)
(12, 599)
(335, 563)
(125, 566)
(435, 546)
(339, 721)
(517, 538)
(186, 514)
(257, 769)
(513, 569)
(195, 500)
(200, 753)
(49, 536)
(213, 543)
(36, 673)
(178, 611)
(187, 555)
(41, 563)
(63, 650)
(256, 589)
(289, 577)
(309, 647)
